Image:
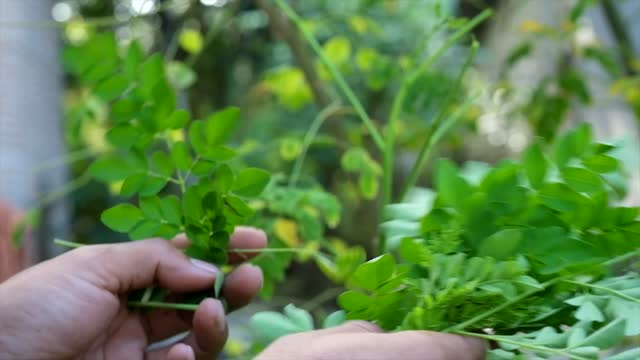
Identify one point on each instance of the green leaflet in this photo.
(269, 326)
(250, 182)
(122, 218)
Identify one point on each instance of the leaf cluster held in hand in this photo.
(180, 173)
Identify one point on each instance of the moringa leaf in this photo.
(122, 217)
(250, 182)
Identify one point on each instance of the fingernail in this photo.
(204, 266)
(222, 321)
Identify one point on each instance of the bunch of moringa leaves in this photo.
(179, 174)
(530, 255)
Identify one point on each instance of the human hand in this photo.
(75, 305)
(360, 340)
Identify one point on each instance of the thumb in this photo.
(120, 268)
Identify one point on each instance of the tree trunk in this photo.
(30, 116)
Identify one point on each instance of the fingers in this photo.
(181, 352)
(242, 238)
(124, 267)
(180, 241)
(246, 238)
(408, 345)
(209, 333)
(206, 339)
(364, 341)
(242, 285)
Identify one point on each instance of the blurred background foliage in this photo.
(247, 54)
(533, 77)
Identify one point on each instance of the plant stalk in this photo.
(605, 289)
(163, 305)
(440, 128)
(308, 139)
(337, 76)
(398, 105)
(537, 348)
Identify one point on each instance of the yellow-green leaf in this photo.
(287, 231)
(191, 41)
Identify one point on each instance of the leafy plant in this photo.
(520, 253)
(295, 220)
(179, 172)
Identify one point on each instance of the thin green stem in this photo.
(322, 298)
(68, 244)
(181, 182)
(193, 164)
(396, 111)
(473, 51)
(309, 137)
(268, 250)
(429, 146)
(621, 258)
(454, 38)
(398, 101)
(337, 76)
(422, 47)
(159, 176)
(524, 345)
(163, 305)
(69, 158)
(605, 289)
(67, 189)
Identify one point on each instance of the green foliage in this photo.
(267, 326)
(510, 251)
(203, 195)
(357, 160)
(272, 325)
(295, 218)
